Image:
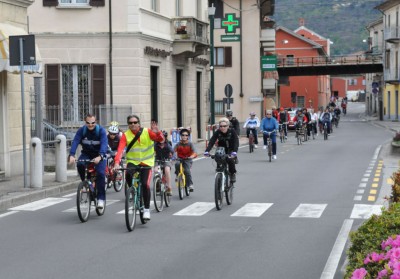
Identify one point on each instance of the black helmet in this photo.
(228, 113)
(219, 154)
(184, 130)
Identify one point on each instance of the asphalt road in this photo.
(289, 219)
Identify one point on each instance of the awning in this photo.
(7, 30)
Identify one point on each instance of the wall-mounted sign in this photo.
(156, 52)
(230, 22)
(268, 63)
(230, 38)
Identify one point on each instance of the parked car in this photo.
(291, 125)
(50, 131)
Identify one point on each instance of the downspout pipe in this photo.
(110, 50)
(241, 51)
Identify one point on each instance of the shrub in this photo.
(397, 137)
(368, 240)
(395, 197)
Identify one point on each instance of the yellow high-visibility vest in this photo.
(142, 152)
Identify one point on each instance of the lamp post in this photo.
(211, 13)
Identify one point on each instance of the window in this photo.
(352, 82)
(219, 107)
(300, 101)
(289, 59)
(223, 56)
(75, 88)
(74, 2)
(154, 5)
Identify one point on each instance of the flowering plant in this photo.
(397, 137)
(383, 265)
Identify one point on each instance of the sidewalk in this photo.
(13, 193)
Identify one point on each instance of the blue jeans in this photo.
(100, 174)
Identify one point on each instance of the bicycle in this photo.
(313, 128)
(269, 143)
(160, 194)
(299, 133)
(87, 192)
(113, 177)
(251, 141)
(325, 130)
(134, 202)
(282, 130)
(222, 181)
(181, 180)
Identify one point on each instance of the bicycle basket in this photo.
(220, 155)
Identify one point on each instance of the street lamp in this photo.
(211, 13)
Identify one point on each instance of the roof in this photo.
(310, 31)
(387, 5)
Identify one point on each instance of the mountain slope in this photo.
(342, 21)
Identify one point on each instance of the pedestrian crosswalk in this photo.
(303, 210)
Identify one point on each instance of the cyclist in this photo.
(234, 123)
(283, 117)
(308, 115)
(228, 139)
(300, 119)
(113, 138)
(269, 124)
(336, 114)
(344, 105)
(251, 124)
(314, 122)
(326, 117)
(140, 152)
(185, 150)
(93, 139)
(116, 124)
(164, 151)
(275, 112)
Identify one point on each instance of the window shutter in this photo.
(97, 3)
(52, 85)
(49, 3)
(228, 56)
(98, 84)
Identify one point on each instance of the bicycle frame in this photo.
(224, 185)
(181, 180)
(251, 141)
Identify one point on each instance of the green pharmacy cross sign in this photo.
(230, 22)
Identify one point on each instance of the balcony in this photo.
(190, 37)
(392, 34)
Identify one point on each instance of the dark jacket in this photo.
(229, 140)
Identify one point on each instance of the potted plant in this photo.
(396, 140)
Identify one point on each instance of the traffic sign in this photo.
(268, 63)
(228, 90)
(230, 38)
(227, 100)
(375, 90)
(375, 84)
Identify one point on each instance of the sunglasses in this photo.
(184, 135)
(90, 123)
(223, 126)
(133, 122)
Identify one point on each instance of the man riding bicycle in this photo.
(269, 124)
(93, 139)
(234, 123)
(252, 123)
(326, 117)
(228, 139)
(283, 117)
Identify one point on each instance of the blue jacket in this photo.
(93, 144)
(269, 124)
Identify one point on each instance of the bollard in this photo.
(61, 158)
(36, 163)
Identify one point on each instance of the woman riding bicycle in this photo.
(269, 124)
(228, 139)
(252, 123)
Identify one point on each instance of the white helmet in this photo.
(113, 129)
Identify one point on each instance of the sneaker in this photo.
(233, 177)
(255, 146)
(169, 191)
(285, 137)
(274, 157)
(100, 204)
(264, 147)
(146, 214)
(191, 188)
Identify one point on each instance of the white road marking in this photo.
(357, 198)
(367, 174)
(108, 202)
(69, 195)
(7, 214)
(364, 211)
(364, 179)
(196, 209)
(337, 250)
(305, 210)
(33, 206)
(252, 209)
(362, 185)
(360, 191)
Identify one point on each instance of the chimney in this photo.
(301, 21)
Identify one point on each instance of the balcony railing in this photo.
(189, 29)
(326, 61)
(392, 34)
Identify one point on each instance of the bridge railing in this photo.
(326, 61)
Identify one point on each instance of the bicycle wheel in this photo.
(187, 191)
(130, 208)
(229, 192)
(218, 191)
(325, 133)
(158, 193)
(141, 210)
(251, 144)
(270, 151)
(83, 201)
(167, 199)
(119, 180)
(180, 187)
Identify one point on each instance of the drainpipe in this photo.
(241, 52)
(110, 51)
(382, 85)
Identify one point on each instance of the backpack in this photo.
(85, 131)
(326, 116)
(282, 116)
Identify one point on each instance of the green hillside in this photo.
(341, 21)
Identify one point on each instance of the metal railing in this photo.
(327, 61)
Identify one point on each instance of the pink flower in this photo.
(360, 273)
(382, 274)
